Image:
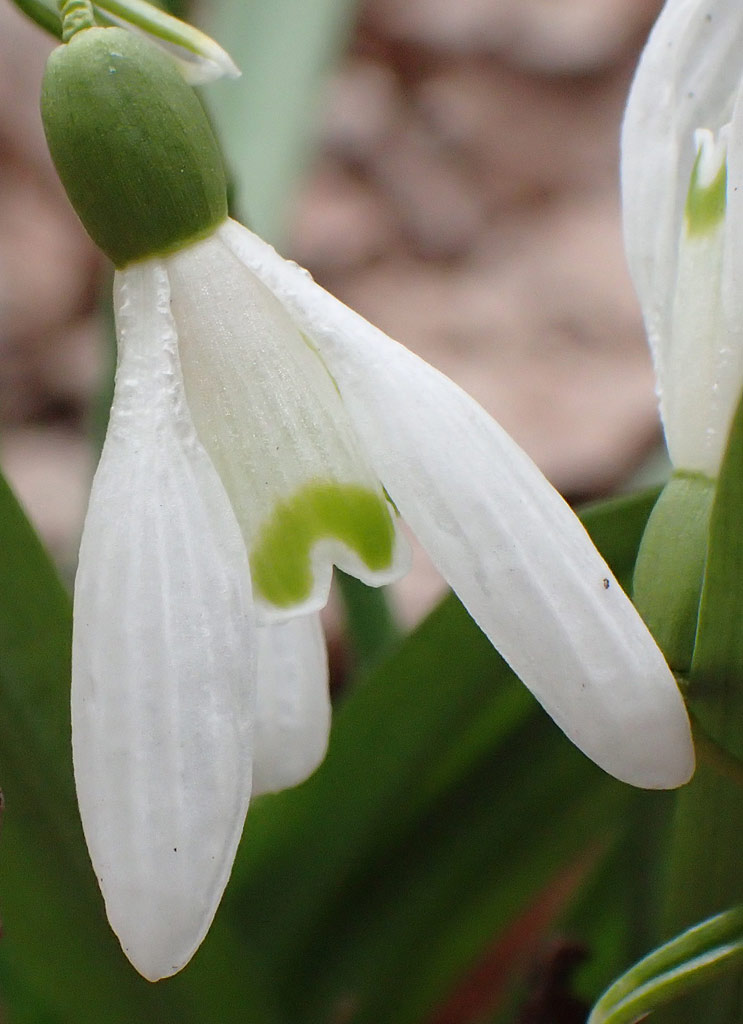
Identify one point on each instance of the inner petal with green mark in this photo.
(281, 559)
(270, 416)
(700, 381)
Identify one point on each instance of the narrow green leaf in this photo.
(687, 962)
(704, 877)
(716, 680)
(616, 914)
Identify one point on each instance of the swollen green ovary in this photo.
(272, 421)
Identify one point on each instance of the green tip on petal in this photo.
(359, 518)
(707, 199)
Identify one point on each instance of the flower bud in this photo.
(132, 145)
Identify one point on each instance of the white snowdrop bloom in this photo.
(682, 185)
(261, 432)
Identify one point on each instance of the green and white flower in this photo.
(682, 185)
(262, 432)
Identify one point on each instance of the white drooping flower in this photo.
(682, 186)
(261, 432)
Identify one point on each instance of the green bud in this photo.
(670, 566)
(132, 145)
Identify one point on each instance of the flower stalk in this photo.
(76, 15)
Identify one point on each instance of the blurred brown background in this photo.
(464, 198)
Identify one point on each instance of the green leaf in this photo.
(704, 877)
(266, 121)
(685, 963)
(616, 913)
(716, 679)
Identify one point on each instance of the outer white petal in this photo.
(163, 654)
(687, 79)
(292, 718)
(504, 539)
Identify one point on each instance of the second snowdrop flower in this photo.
(682, 181)
(682, 184)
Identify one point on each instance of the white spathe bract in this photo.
(260, 433)
(682, 149)
(199, 58)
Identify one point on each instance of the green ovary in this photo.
(354, 515)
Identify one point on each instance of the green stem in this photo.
(76, 15)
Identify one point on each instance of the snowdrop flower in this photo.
(682, 185)
(682, 172)
(262, 432)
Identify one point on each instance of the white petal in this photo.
(687, 79)
(703, 372)
(163, 654)
(504, 539)
(697, 381)
(728, 382)
(292, 718)
(270, 417)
